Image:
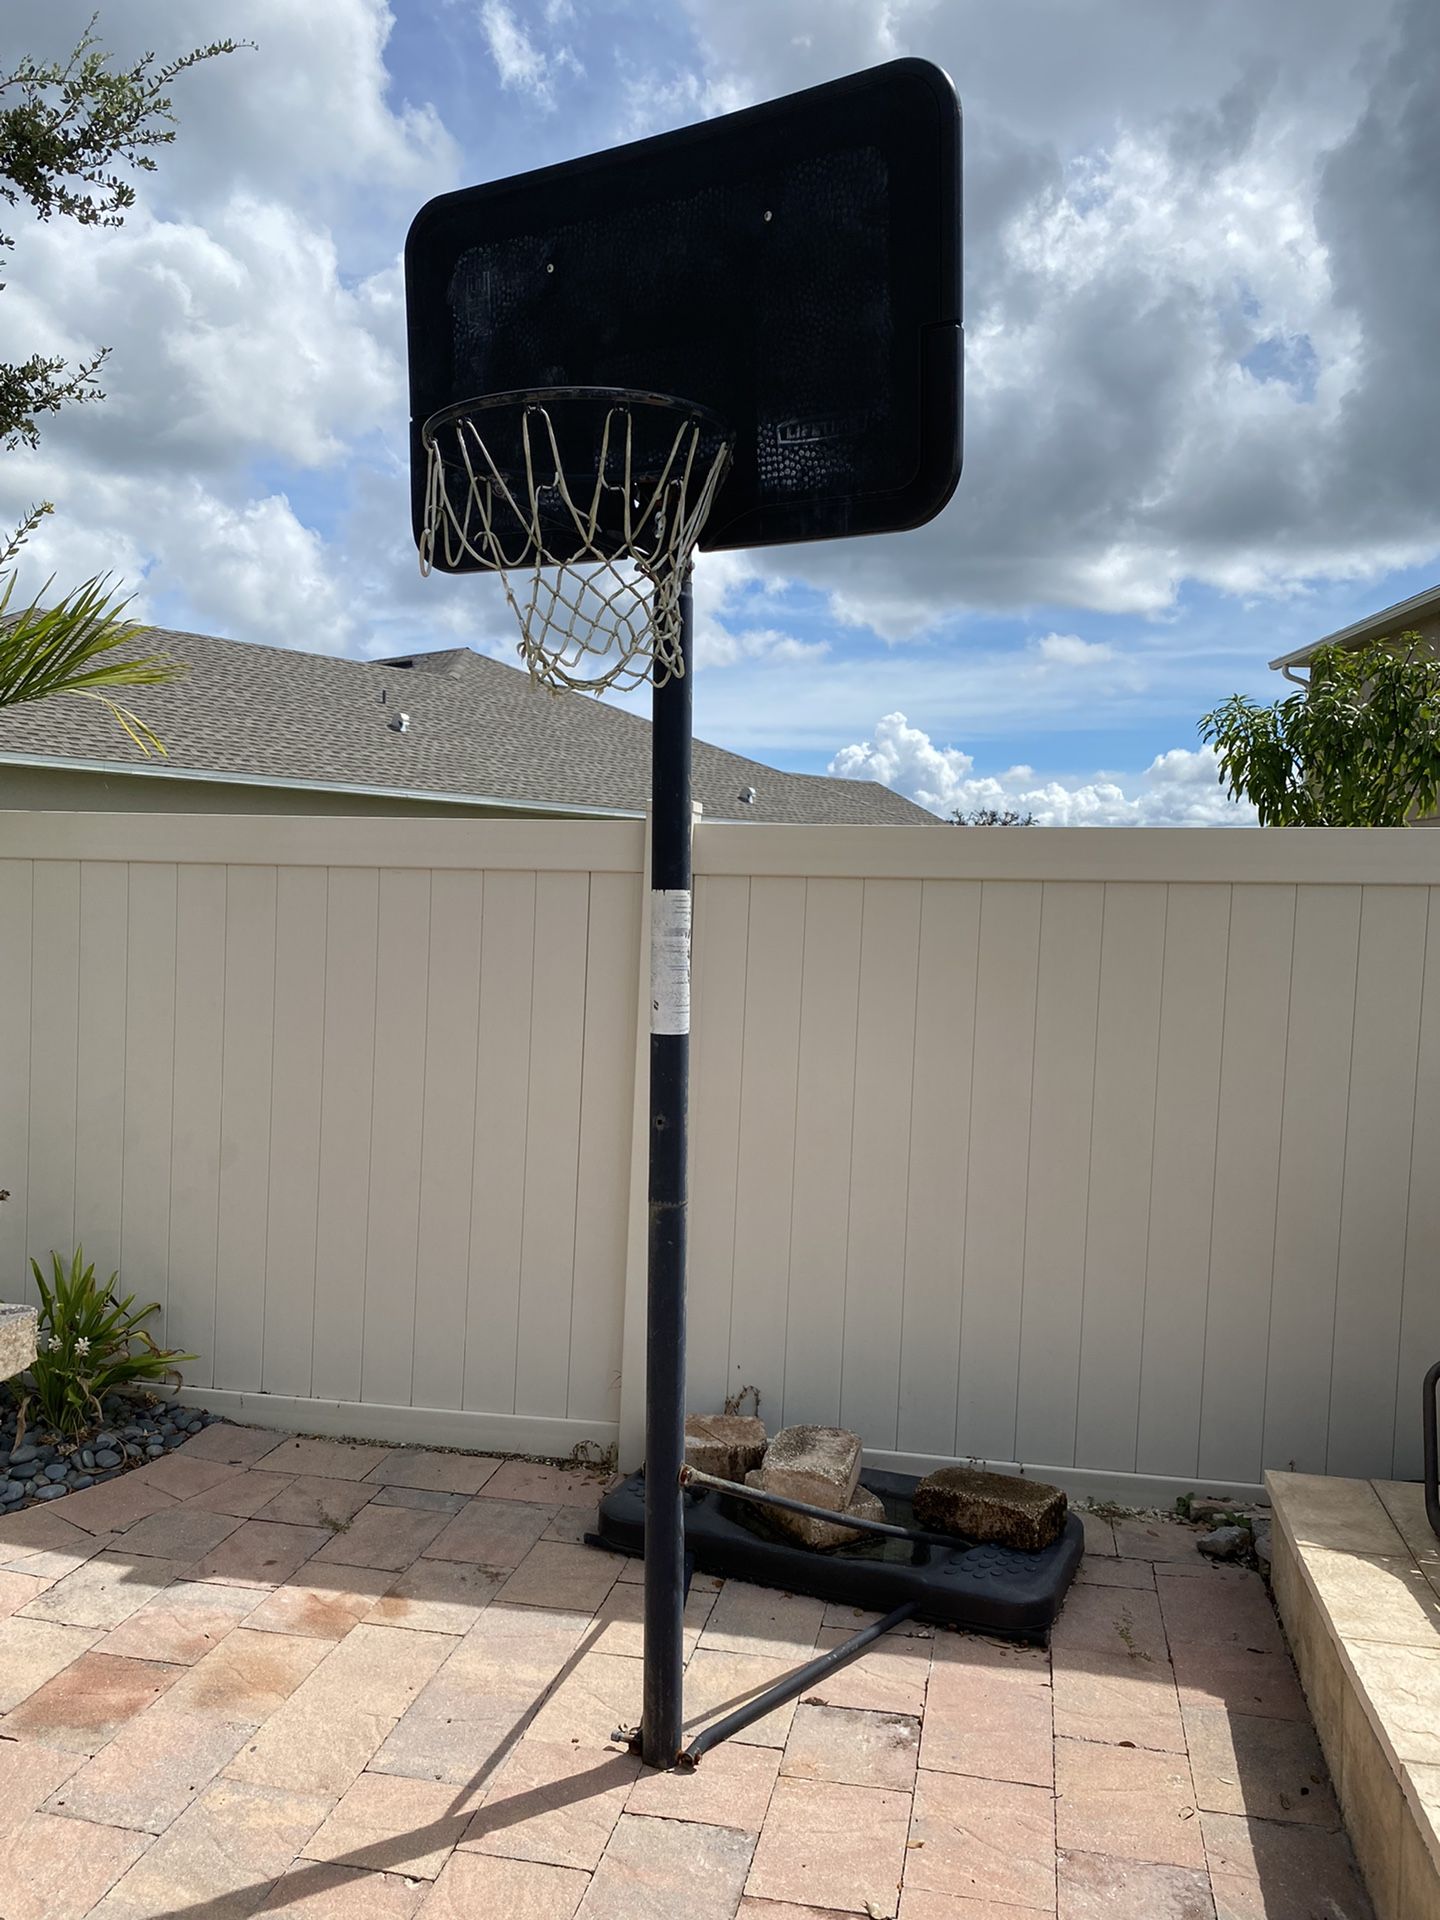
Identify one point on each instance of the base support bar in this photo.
(793, 1684)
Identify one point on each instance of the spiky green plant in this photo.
(91, 1342)
(69, 647)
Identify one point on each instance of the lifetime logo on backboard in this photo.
(824, 426)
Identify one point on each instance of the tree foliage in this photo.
(69, 130)
(992, 817)
(1359, 746)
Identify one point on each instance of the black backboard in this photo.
(794, 267)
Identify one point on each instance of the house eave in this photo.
(480, 801)
(1374, 626)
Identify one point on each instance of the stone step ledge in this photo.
(1356, 1577)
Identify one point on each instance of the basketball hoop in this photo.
(588, 502)
(795, 269)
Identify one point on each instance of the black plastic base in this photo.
(990, 1589)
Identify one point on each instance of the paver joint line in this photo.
(377, 1681)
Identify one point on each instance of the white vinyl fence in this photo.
(1113, 1154)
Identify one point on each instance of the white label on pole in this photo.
(670, 960)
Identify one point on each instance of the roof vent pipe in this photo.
(401, 723)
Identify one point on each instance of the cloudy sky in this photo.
(1202, 267)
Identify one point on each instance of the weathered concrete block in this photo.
(819, 1535)
(1001, 1507)
(725, 1444)
(17, 1339)
(820, 1465)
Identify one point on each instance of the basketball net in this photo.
(592, 542)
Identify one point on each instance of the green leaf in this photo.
(1359, 746)
(72, 648)
(68, 1386)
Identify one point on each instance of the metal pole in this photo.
(670, 826)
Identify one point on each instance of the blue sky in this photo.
(1200, 422)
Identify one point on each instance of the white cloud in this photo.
(1186, 358)
(1069, 650)
(520, 64)
(717, 646)
(258, 571)
(905, 758)
(1149, 203)
(518, 61)
(229, 338)
(250, 569)
(233, 342)
(727, 598)
(252, 302)
(758, 47)
(300, 116)
(1177, 789)
(653, 103)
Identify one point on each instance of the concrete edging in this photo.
(1341, 1563)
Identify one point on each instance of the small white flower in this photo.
(56, 1343)
(82, 1346)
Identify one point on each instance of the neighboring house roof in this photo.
(479, 733)
(1420, 610)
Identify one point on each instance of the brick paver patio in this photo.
(293, 1676)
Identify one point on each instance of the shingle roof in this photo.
(479, 730)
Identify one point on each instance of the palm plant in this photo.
(68, 647)
(92, 1343)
